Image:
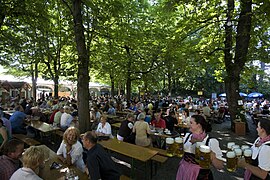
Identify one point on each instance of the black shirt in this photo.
(124, 130)
(170, 122)
(100, 164)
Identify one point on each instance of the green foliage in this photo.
(163, 45)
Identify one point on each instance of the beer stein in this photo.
(238, 152)
(243, 147)
(231, 161)
(169, 146)
(235, 147)
(197, 150)
(248, 155)
(205, 157)
(179, 147)
(229, 145)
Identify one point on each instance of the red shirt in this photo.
(159, 124)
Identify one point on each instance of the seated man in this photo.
(17, 121)
(158, 122)
(32, 159)
(10, 162)
(66, 118)
(37, 114)
(99, 162)
(57, 116)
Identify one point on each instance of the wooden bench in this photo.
(123, 177)
(59, 133)
(116, 125)
(159, 158)
(160, 151)
(26, 140)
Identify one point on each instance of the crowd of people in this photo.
(141, 117)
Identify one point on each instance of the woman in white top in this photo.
(33, 158)
(260, 165)
(104, 128)
(70, 150)
(189, 168)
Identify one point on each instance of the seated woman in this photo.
(70, 150)
(189, 168)
(32, 159)
(142, 129)
(260, 164)
(104, 128)
(3, 134)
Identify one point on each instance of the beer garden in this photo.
(145, 51)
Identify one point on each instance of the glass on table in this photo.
(231, 161)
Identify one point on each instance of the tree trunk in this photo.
(113, 86)
(34, 81)
(128, 84)
(169, 82)
(234, 66)
(83, 71)
(128, 89)
(56, 86)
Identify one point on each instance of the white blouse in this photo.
(106, 129)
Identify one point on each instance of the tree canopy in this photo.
(176, 47)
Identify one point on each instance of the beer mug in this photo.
(243, 147)
(231, 161)
(179, 148)
(229, 145)
(169, 146)
(235, 147)
(238, 152)
(197, 150)
(248, 155)
(205, 157)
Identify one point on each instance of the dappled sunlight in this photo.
(121, 162)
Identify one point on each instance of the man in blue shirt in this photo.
(17, 121)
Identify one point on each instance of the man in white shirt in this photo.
(66, 118)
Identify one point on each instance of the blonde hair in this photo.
(33, 156)
(69, 130)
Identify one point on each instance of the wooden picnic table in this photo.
(182, 125)
(133, 151)
(123, 113)
(116, 125)
(109, 116)
(46, 173)
(263, 115)
(8, 113)
(42, 126)
(119, 120)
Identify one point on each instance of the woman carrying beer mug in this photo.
(260, 163)
(189, 167)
